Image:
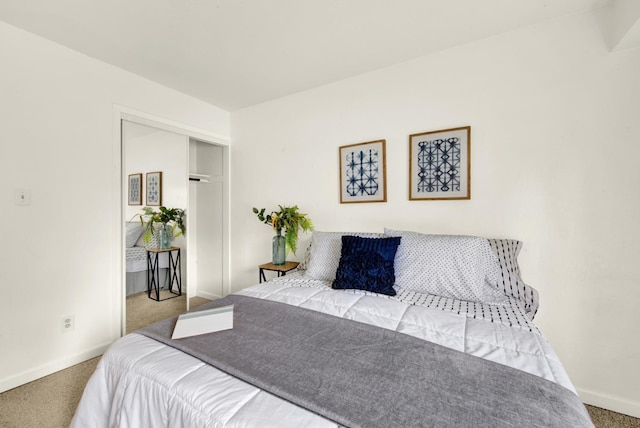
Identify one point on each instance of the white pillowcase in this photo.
(510, 281)
(134, 231)
(459, 267)
(326, 248)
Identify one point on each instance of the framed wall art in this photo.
(154, 188)
(362, 172)
(440, 164)
(135, 189)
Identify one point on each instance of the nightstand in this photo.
(281, 269)
(153, 272)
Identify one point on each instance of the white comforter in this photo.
(142, 383)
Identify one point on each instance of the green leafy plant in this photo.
(288, 219)
(163, 215)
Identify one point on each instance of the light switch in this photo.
(23, 197)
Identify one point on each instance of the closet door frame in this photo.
(120, 114)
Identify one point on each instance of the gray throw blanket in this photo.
(364, 376)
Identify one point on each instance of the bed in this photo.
(392, 329)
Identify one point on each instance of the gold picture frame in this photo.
(363, 176)
(154, 188)
(440, 165)
(135, 189)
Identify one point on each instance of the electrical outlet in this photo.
(68, 323)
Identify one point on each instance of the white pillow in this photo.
(459, 267)
(134, 231)
(326, 248)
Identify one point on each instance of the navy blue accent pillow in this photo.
(367, 264)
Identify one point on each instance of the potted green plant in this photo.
(168, 217)
(291, 221)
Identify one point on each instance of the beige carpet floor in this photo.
(51, 401)
(142, 311)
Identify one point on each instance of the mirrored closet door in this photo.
(155, 168)
(174, 170)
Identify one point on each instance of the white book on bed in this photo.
(202, 322)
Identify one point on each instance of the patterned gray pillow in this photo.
(459, 267)
(326, 248)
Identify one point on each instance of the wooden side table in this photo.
(153, 272)
(281, 269)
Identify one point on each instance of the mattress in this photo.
(141, 382)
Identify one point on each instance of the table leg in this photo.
(153, 275)
(177, 272)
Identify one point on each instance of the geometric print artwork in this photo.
(362, 172)
(135, 189)
(440, 164)
(154, 188)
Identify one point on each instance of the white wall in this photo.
(554, 131)
(57, 139)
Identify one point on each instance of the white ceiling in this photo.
(236, 53)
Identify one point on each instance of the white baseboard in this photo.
(206, 295)
(50, 368)
(615, 404)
